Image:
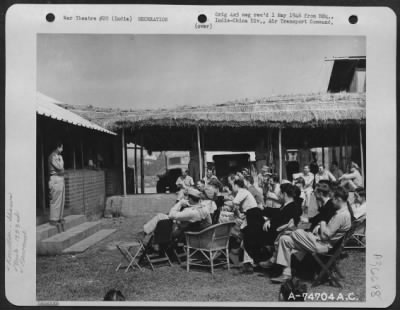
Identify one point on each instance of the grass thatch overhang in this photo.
(290, 111)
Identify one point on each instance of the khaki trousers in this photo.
(298, 241)
(57, 197)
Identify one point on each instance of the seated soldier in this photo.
(319, 241)
(263, 179)
(249, 183)
(200, 185)
(324, 174)
(266, 233)
(245, 204)
(290, 209)
(210, 194)
(359, 209)
(209, 176)
(360, 206)
(353, 179)
(308, 177)
(188, 215)
(272, 194)
(326, 209)
(183, 182)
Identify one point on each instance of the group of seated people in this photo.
(264, 220)
(350, 180)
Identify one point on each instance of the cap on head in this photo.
(265, 169)
(193, 192)
(245, 171)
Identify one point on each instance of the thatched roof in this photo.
(311, 110)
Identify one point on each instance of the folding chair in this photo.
(212, 243)
(179, 251)
(130, 252)
(161, 237)
(357, 239)
(328, 261)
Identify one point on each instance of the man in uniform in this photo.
(57, 187)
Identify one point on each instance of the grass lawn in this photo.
(89, 275)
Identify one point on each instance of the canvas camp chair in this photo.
(357, 239)
(130, 252)
(162, 238)
(328, 262)
(141, 251)
(210, 243)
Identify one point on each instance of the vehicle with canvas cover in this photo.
(175, 162)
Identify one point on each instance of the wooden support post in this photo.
(270, 151)
(203, 147)
(362, 155)
(126, 167)
(141, 168)
(341, 153)
(136, 171)
(280, 154)
(199, 151)
(323, 156)
(123, 163)
(73, 158)
(43, 175)
(82, 157)
(346, 151)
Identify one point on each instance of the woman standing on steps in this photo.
(57, 187)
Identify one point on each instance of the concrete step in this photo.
(84, 244)
(57, 243)
(45, 231)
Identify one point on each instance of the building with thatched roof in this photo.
(323, 120)
(298, 114)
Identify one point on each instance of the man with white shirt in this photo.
(183, 182)
(246, 203)
(249, 183)
(189, 215)
(308, 182)
(244, 200)
(209, 176)
(353, 179)
(360, 205)
(324, 174)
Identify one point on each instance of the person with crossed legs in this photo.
(321, 240)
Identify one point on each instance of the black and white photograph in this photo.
(200, 164)
(216, 157)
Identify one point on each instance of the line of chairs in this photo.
(210, 248)
(202, 248)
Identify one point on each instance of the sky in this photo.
(166, 71)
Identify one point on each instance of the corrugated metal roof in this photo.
(48, 107)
